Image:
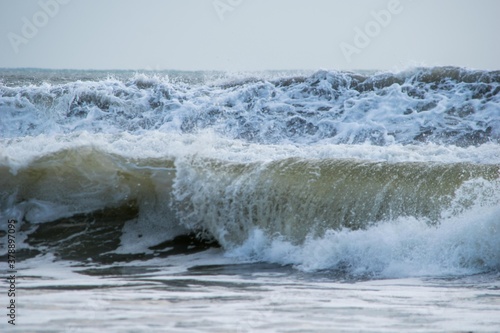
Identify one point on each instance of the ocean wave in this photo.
(444, 105)
(367, 173)
(83, 195)
(405, 247)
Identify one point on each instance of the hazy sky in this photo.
(246, 35)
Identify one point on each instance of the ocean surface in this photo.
(258, 202)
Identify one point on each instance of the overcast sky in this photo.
(245, 35)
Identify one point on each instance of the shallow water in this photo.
(205, 292)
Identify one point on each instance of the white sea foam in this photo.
(18, 153)
(443, 105)
(464, 244)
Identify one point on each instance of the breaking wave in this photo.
(373, 174)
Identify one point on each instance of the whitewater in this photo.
(269, 202)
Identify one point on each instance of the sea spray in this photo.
(366, 173)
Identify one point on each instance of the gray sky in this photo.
(246, 35)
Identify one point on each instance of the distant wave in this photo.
(445, 105)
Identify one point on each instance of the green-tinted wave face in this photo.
(83, 201)
(289, 197)
(295, 197)
(80, 180)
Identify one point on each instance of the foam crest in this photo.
(296, 197)
(460, 244)
(440, 105)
